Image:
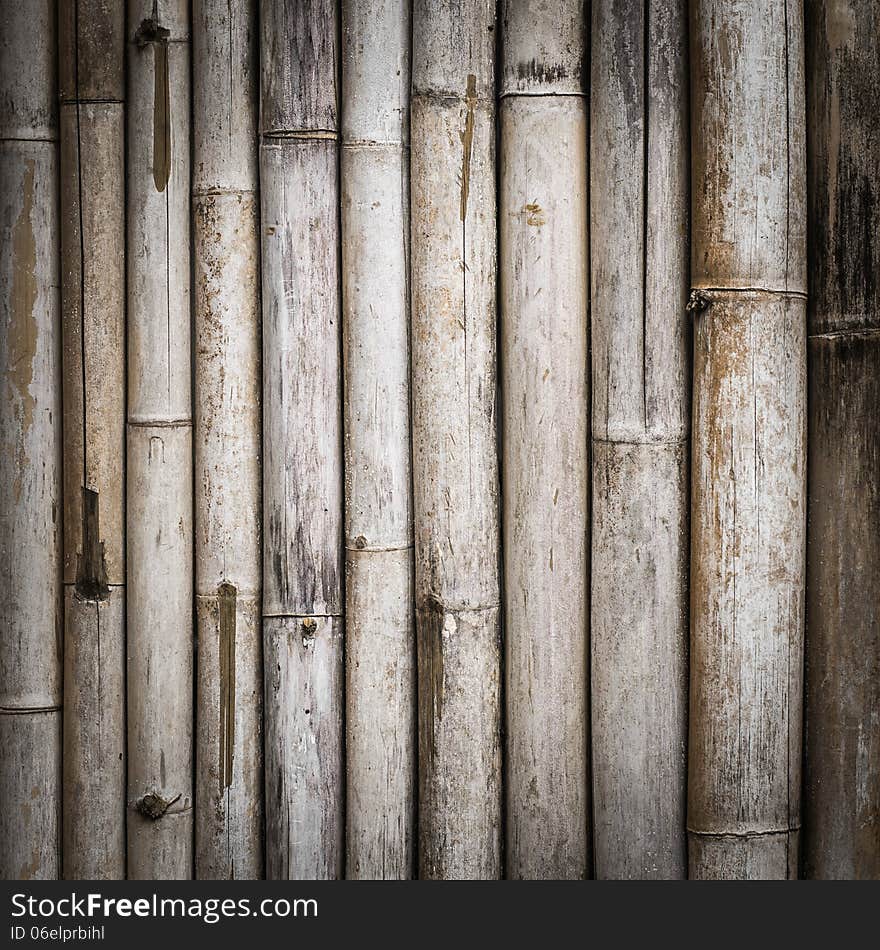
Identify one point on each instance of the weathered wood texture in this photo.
(380, 636)
(302, 432)
(543, 248)
(92, 86)
(30, 445)
(748, 493)
(639, 219)
(227, 436)
(842, 761)
(159, 449)
(455, 468)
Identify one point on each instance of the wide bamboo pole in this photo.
(543, 248)
(842, 763)
(302, 433)
(455, 468)
(30, 445)
(226, 269)
(749, 419)
(92, 87)
(641, 393)
(159, 451)
(380, 640)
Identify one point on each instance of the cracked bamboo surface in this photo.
(30, 446)
(748, 268)
(842, 688)
(640, 432)
(543, 312)
(227, 437)
(92, 88)
(159, 533)
(380, 642)
(302, 426)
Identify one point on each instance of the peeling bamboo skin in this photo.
(228, 417)
(640, 427)
(30, 447)
(842, 760)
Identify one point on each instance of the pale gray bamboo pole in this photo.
(455, 468)
(748, 270)
(544, 307)
(302, 426)
(380, 636)
(226, 268)
(92, 88)
(30, 446)
(842, 763)
(159, 451)
(641, 413)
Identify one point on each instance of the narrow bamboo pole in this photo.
(226, 268)
(842, 763)
(302, 426)
(30, 446)
(380, 638)
(455, 468)
(641, 372)
(542, 206)
(748, 481)
(92, 86)
(159, 450)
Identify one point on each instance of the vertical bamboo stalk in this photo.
(641, 373)
(302, 425)
(380, 644)
(544, 251)
(229, 736)
(159, 482)
(455, 468)
(748, 484)
(30, 446)
(842, 763)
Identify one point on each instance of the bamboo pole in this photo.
(842, 762)
(159, 451)
(30, 446)
(543, 247)
(641, 373)
(455, 469)
(748, 481)
(229, 732)
(302, 425)
(92, 87)
(380, 639)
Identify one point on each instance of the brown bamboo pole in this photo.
(226, 267)
(641, 385)
(842, 762)
(30, 446)
(92, 88)
(380, 638)
(302, 426)
(159, 450)
(748, 270)
(543, 248)
(455, 469)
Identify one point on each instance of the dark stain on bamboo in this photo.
(227, 596)
(150, 32)
(431, 616)
(91, 569)
(467, 143)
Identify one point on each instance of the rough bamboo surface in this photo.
(227, 437)
(159, 450)
(543, 311)
(749, 419)
(302, 433)
(455, 468)
(640, 428)
(842, 761)
(380, 639)
(30, 445)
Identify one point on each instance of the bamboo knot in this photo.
(697, 302)
(154, 806)
(150, 32)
